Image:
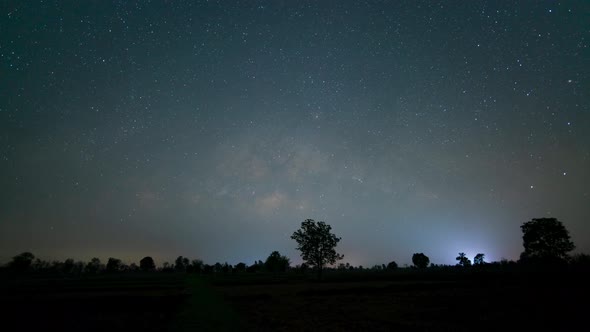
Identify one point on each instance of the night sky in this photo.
(212, 129)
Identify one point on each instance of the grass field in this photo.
(462, 303)
(97, 303)
(376, 302)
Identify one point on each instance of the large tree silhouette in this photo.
(317, 244)
(114, 264)
(22, 262)
(545, 239)
(240, 267)
(420, 260)
(392, 265)
(276, 263)
(181, 263)
(479, 259)
(196, 266)
(463, 260)
(147, 264)
(93, 266)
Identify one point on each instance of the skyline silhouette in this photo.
(546, 242)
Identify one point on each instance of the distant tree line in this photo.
(546, 241)
(26, 262)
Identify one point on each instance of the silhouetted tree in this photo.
(257, 266)
(507, 263)
(276, 263)
(545, 240)
(147, 264)
(113, 265)
(226, 268)
(68, 266)
(207, 269)
(463, 260)
(317, 244)
(392, 265)
(181, 263)
(195, 266)
(22, 262)
(167, 267)
(479, 259)
(241, 267)
(93, 266)
(56, 266)
(40, 265)
(79, 267)
(303, 267)
(420, 260)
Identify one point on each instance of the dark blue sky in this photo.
(212, 129)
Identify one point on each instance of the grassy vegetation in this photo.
(409, 300)
(122, 302)
(204, 309)
(405, 299)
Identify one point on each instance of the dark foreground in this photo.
(405, 301)
(97, 303)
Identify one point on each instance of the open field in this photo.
(97, 303)
(378, 302)
(441, 306)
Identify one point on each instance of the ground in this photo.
(407, 301)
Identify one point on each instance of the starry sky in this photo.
(212, 129)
